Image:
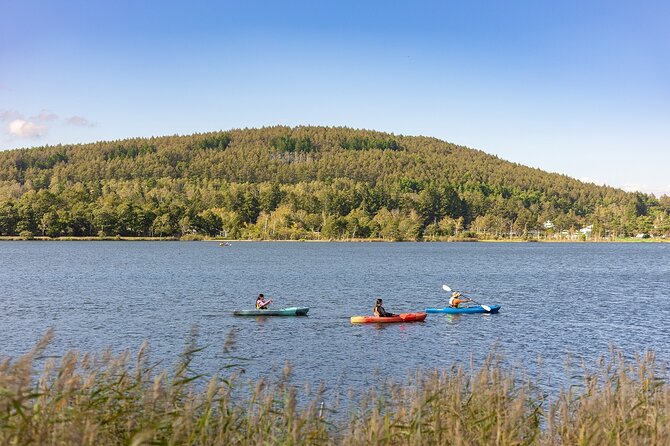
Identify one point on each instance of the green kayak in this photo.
(292, 311)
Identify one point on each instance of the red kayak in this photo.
(402, 317)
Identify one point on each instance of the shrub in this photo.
(26, 235)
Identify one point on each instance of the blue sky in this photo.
(575, 87)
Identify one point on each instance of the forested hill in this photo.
(303, 182)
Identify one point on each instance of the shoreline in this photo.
(13, 238)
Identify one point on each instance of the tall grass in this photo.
(102, 399)
(620, 403)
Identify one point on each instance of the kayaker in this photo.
(379, 311)
(455, 299)
(261, 303)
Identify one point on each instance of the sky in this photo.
(580, 88)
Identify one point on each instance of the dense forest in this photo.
(305, 183)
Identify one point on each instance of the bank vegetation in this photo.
(108, 399)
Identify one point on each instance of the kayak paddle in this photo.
(485, 307)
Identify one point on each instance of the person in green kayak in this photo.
(456, 299)
(261, 303)
(379, 311)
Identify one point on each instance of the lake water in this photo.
(559, 301)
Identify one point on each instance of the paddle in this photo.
(485, 307)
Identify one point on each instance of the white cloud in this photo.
(80, 121)
(9, 115)
(45, 116)
(38, 125)
(26, 129)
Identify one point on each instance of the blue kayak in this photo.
(464, 310)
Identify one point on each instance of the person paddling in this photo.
(455, 300)
(261, 303)
(379, 311)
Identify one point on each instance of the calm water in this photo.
(559, 301)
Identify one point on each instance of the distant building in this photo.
(587, 230)
(548, 224)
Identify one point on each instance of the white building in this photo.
(587, 231)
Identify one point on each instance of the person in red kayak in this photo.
(455, 300)
(261, 303)
(379, 311)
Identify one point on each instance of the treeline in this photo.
(303, 183)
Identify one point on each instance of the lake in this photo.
(560, 302)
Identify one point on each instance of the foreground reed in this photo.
(115, 399)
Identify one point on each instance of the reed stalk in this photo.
(119, 399)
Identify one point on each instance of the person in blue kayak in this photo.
(379, 311)
(457, 299)
(261, 303)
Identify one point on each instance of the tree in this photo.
(208, 222)
(358, 224)
(50, 224)
(388, 222)
(270, 197)
(409, 226)
(104, 220)
(128, 219)
(163, 226)
(8, 218)
(450, 226)
(250, 209)
(334, 227)
(184, 225)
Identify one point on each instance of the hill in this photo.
(303, 182)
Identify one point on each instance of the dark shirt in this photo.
(381, 312)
